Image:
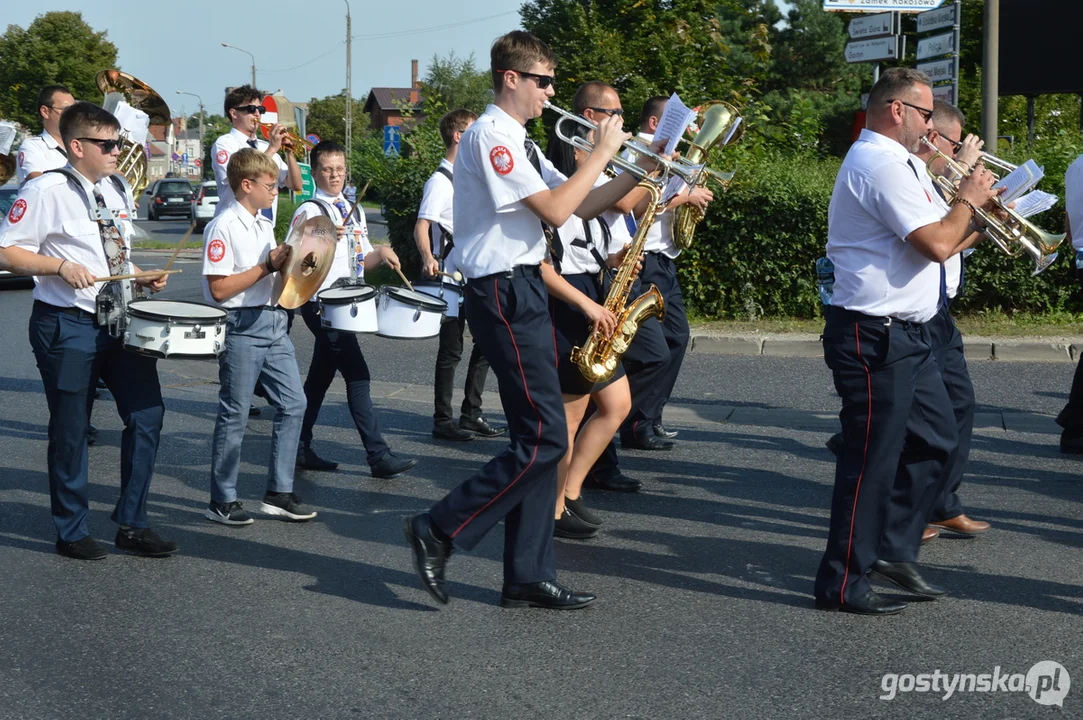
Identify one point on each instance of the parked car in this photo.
(169, 196)
(8, 192)
(204, 203)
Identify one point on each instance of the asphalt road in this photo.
(704, 577)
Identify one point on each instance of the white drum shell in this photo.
(399, 319)
(451, 294)
(177, 330)
(358, 316)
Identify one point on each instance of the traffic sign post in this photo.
(944, 72)
(871, 6)
(871, 26)
(392, 141)
(887, 48)
(308, 185)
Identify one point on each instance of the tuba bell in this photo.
(719, 125)
(120, 87)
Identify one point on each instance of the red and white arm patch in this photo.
(216, 250)
(222, 157)
(501, 160)
(17, 212)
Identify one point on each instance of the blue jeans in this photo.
(258, 348)
(71, 354)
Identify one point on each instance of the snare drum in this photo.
(403, 313)
(449, 293)
(351, 308)
(172, 328)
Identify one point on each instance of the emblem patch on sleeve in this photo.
(222, 157)
(216, 250)
(17, 211)
(501, 160)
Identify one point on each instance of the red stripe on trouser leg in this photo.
(864, 461)
(526, 389)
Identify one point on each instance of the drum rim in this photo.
(145, 314)
(367, 293)
(457, 289)
(427, 303)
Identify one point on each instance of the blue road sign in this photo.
(392, 141)
(184, 158)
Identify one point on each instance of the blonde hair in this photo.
(249, 164)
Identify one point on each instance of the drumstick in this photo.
(456, 276)
(404, 279)
(360, 197)
(137, 276)
(181, 246)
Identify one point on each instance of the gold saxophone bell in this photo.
(718, 122)
(119, 86)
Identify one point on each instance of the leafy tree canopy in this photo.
(327, 117)
(457, 83)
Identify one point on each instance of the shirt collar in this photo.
(50, 141)
(237, 134)
(321, 195)
(649, 137)
(883, 141)
(506, 123)
(446, 165)
(246, 218)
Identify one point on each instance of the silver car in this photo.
(204, 203)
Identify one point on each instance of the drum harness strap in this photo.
(325, 208)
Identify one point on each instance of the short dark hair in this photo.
(243, 95)
(517, 50)
(653, 107)
(83, 117)
(455, 121)
(894, 82)
(944, 112)
(325, 147)
(47, 93)
(560, 153)
(588, 95)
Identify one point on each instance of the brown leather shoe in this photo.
(929, 533)
(962, 525)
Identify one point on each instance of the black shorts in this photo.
(571, 329)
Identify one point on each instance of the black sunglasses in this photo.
(251, 109)
(544, 81)
(608, 111)
(925, 113)
(107, 146)
(956, 145)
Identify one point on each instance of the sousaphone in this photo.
(120, 87)
(312, 250)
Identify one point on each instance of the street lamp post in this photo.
(249, 55)
(349, 95)
(201, 114)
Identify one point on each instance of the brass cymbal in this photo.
(312, 250)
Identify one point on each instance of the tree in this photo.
(457, 83)
(57, 48)
(327, 118)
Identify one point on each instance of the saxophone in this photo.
(718, 121)
(600, 354)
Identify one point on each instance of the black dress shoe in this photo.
(144, 541)
(571, 527)
(578, 508)
(870, 603)
(482, 428)
(391, 465)
(430, 554)
(661, 431)
(906, 576)
(549, 595)
(309, 460)
(451, 431)
(253, 411)
(1071, 441)
(645, 442)
(618, 482)
(834, 444)
(86, 548)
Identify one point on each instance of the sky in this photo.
(178, 46)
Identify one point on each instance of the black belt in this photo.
(855, 316)
(73, 311)
(517, 271)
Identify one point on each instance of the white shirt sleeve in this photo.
(895, 195)
(220, 159)
(508, 174)
(26, 223)
(303, 212)
(1073, 201)
(283, 169)
(437, 196)
(31, 158)
(218, 254)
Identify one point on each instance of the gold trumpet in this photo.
(1016, 235)
(294, 143)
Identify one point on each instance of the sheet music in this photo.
(134, 124)
(674, 121)
(7, 137)
(1034, 203)
(1020, 180)
(729, 135)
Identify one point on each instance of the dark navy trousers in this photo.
(509, 319)
(948, 350)
(448, 354)
(71, 354)
(333, 352)
(662, 271)
(899, 432)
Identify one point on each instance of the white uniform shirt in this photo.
(340, 266)
(877, 202)
(580, 259)
(38, 154)
(50, 218)
(437, 206)
(235, 241)
(223, 150)
(1073, 200)
(660, 234)
(494, 230)
(618, 226)
(953, 266)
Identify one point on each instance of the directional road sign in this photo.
(392, 141)
(859, 6)
(885, 48)
(936, 46)
(944, 92)
(936, 19)
(308, 185)
(184, 158)
(870, 26)
(939, 70)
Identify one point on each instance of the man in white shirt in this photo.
(46, 151)
(887, 238)
(243, 109)
(435, 239)
(65, 229)
(1071, 417)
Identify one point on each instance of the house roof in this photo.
(386, 98)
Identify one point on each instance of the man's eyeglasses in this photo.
(925, 113)
(249, 109)
(107, 146)
(59, 109)
(955, 144)
(608, 111)
(544, 81)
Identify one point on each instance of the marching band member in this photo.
(45, 152)
(502, 190)
(62, 230)
(887, 238)
(239, 258)
(433, 233)
(340, 351)
(1071, 417)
